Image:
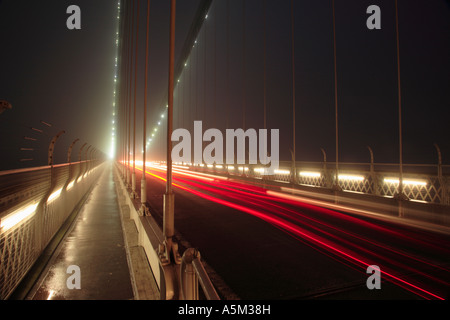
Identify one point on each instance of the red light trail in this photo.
(287, 215)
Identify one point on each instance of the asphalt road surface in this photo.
(270, 245)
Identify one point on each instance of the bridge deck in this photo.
(97, 244)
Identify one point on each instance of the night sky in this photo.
(66, 77)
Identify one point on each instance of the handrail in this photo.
(205, 281)
(191, 273)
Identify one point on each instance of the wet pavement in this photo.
(91, 262)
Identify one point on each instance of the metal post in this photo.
(188, 276)
(372, 172)
(265, 66)
(79, 160)
(324, 159)
(439, 160)
(130, 50)
(169, 200)
(401, 195)
(90, 159)
(86, 160)
(69, 153)
(51, 147)
(400, 185)
(133, 177)
(328, 181)
(294, 175)
(94, 158)
(244, 102)
(144, 208)
(440, 178)
(81, 149)
(125, 65)
(336, 183)
(227, 62)
(192, 273)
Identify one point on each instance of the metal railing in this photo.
(34, 204)
(177, 278)
(192, 273)
(421, 182)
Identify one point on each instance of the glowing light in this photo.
(55, 195)
(50, 294)
(17, 217)
(351, 177)
(282, 172)
(409, 182)
(70, 185)
(310, 174)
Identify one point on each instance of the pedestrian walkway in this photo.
(93, 262)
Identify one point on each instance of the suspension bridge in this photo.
(143, 226)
